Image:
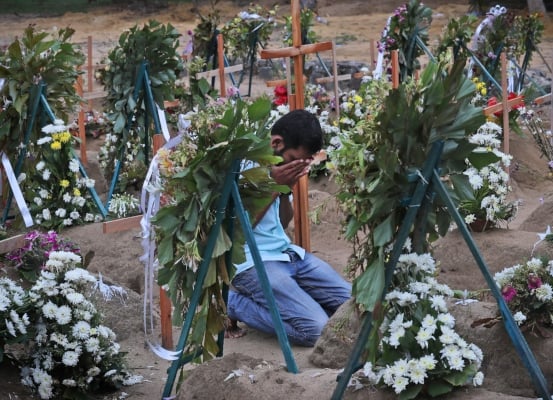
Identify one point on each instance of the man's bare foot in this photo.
(232, 330)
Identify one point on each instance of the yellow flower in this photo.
(56, 145)
(64, 183)
(357, 98)
(76, 192)
(55, 136)
(65, 137)
(484, 91)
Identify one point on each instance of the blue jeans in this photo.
(306, 292)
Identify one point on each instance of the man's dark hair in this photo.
(299, 128)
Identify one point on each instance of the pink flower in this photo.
(508, 293)
(534, 281)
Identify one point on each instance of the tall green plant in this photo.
(36, 57)
(377, 156)
(156, 44)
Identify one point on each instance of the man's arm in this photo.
(285, 211)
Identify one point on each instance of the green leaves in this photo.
(36, 57)
(193, 176)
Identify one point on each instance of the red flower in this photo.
(492, 101)
(281, 95)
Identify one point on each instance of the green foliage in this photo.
(457, 33)
(193, 175)
(36, 57)
(407, 28)
(308, 35)
(154, 46)
(244, 35)
(377, 156)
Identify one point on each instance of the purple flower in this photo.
(508, 293)
(534, 281)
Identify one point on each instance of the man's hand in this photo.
(289, 173)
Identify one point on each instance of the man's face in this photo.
(289, 154)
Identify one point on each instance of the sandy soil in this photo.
(116, 255)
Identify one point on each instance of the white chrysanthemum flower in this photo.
(60, 212)
(519, 318)
(67, 222)
(49, 310)
(74, 214)
(447, 319)
(417, 374)
(92, 345)
(544, 292)
(70, 358)
(448, 336)
(428, 362)
(11, 328)
(456, 362)
(395, 335)
(69, 383)
(40, 165)
(400, 383)
(44, 140)
(81, 330)
(46, 175)
(37, 201)
(67, 198)
(438, 303)
(88, 217)
(423, 336)
(46, 214)
(79, 275)
(74, 165)
(534, 264)
(470, 218)
(63, 315)
(75, 298)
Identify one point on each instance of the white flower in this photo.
(428, 362)
(478, 379)
(75, 298)
(60, 212)
(69, 383)
(400, 383)
(81, 330)
(438, 303)
(447, 319)
(544, 292)
(519, 318)
(92, 345)
(74, 214)
(37, 201)
(67, 198)
(49, 310)
(70, 358)
(43, 193)
(74, 165)
(67, 222)
(46, 214)
(46, 174)
(63, 315)
(417, 373)
(423, 336)
(40, 165)
(44, 140)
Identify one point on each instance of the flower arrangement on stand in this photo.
(527, 288)
(59, 196)
(419, 351)
(69, 353)
(534, 124)
(487, 205)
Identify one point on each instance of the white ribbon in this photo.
(16, 191)
(149, 203)
(377, 73)
(163, 123)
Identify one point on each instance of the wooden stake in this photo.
(395, 69)
(164, 301)
(505, 102)
(81, 122)
(221, 62)
(296, 101)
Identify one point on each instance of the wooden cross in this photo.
(296, 101)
